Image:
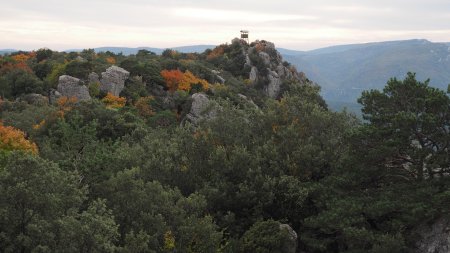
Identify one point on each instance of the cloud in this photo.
(28, 24)
(236, 15)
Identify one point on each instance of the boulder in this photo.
(34, 99)
(434, 238)
(93, 78)
(54, 95)
(113, 80)
(72, 87)
(290, 245)
(199, 108)
(80, 59)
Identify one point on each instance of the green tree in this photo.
(155, 211)
(43, 54)
(92, 231)
(408, 128)
(265, 237)
(34, 195)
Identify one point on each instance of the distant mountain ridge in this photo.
(345, 71)
(134, 50)
(7, 51)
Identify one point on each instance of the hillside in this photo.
(344, 71)
(229, 150)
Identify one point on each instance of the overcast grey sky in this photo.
(302, 25)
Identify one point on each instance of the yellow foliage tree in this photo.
(113, 102)
(14, 139)
(177, 80)
(169, 241)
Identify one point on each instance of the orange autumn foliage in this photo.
(111, 60)
(18, 61)
(216, 52)
(113, 102)
(7, 67)
(177, 80)
(21, 57)
(189, 80)
(143, 106)
(14, 139)
(172, 78)
(65, 104)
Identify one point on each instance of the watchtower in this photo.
(244, 36)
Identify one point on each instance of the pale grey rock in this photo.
(200, 108)
(283, 71)
(54, 95)
(113, 80)
(277, 72)
(290, 245)
(34, 99)
(80, 59)
(219, 78)
(266, 57)
(70, 86)
(93, 78)
(247, 60)
(434, 238)
(253, 74)
(274, 86)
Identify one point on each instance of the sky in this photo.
(293, 24)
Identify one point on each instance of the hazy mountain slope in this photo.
(344, 71)
(134, 50)
(7, 51)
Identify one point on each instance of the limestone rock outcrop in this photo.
(269, 68)
(93, 78)
(113, 80)
(434, 238)
(253, 76)
(53, 96)
(72, 87)
(199, 108)
(219, 78)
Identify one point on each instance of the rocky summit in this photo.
(267, 67)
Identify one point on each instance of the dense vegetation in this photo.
(131, 174)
